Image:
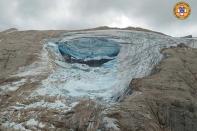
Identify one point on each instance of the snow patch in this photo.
(32, 122)
(13, 86)
(41, 125)
(110, 123)
(57, 105)
(14, 126)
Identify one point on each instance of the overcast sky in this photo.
(79, 14)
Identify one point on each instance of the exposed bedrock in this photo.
(91, 51)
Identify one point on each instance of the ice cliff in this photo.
(91, 51)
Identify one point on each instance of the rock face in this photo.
(90, 51)
(166, 100)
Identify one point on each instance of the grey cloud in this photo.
(34, 8)
(75, 14)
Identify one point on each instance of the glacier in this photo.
(129, 54)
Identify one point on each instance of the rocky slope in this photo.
(39, 89)
(20, 48)
(166, 100)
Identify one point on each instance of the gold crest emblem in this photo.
(182, 10)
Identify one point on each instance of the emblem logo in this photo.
(182, 10)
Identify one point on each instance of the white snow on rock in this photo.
(110, 124)
(14, 126)
(58, 105)
(13, 86)
(20, 126)
(41, 125)
(32, 122)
